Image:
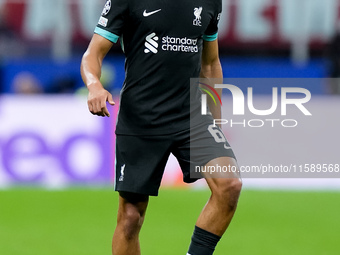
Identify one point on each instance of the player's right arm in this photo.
(91, 65)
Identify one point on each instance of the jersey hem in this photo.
(150, 132)
(207, 119)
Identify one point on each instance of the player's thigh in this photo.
(222, 168)
(224, 176)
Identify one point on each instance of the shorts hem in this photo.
(154, 194)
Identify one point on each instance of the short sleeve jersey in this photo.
(162, 41)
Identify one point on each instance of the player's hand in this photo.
(97, 98)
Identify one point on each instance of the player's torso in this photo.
(163, 43)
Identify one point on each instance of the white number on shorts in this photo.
(217, 134)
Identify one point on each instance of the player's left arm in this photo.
(211, 68)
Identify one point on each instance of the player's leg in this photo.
(140, 162)
(225, 190)
(131, 213)
(218, 212)
(207, 148)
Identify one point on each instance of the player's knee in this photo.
(131, 221)
(235, 188)
(228, 192)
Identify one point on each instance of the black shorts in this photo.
(140, 160)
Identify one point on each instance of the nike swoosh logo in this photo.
(147, 14)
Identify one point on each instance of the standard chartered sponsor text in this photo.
(183, 44)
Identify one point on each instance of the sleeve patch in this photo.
(106, 34)
(103, 21)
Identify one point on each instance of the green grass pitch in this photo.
(81, 222)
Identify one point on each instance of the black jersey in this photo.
(162, 41)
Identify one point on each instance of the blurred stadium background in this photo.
(56, 160)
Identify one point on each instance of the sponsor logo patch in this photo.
(167, 43)
(151, 43)
(103, 21)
